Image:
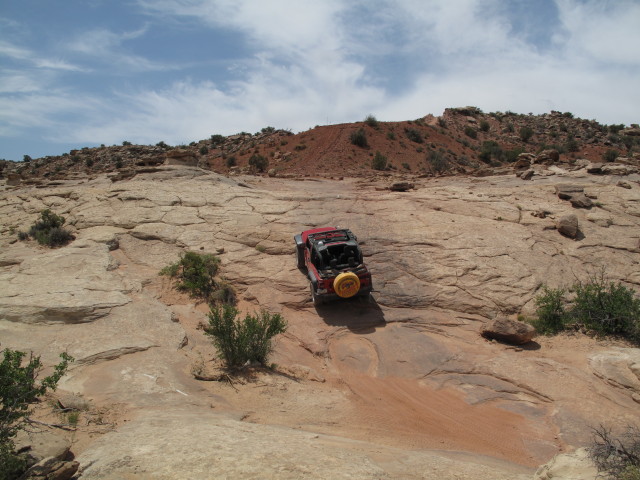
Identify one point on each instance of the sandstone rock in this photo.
(527, 174)
(179, 444)
(624, 184)
(66, 285)
(272, 172)
(401, 186)
(567, 225)
(51, 469)
(618, 169)
(565, 192)
(581, 201)
(619, 367)
(522, 163)
(14, 179)
(509, 331)
(569, 466)
(600, 219)
(42, 444)
(595, 168)
(547, 156)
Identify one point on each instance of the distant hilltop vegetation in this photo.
(461, 141)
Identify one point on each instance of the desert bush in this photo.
(610, 155)
(391, 136)
(600, 305)
(258, 162)
(379, 162)
(490, 150)
(231, 161)
(26, 159)
(442, 122)
(195, 273)
(413, 135)
(607, 307)
(484, 125)
(551, 313)
(359, 138)
(470, 132)
(438, 161)
(268, 129)
(217, 139)
(371, 121)
(525, 134)
(203, 150)
(617, 457)
(242, 341)
(126, 143)
(571, 145)
(19, 389)
(48, 230)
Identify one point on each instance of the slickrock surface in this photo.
(392, 388)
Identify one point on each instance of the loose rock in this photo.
(509, 331)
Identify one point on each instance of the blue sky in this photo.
(76, 73)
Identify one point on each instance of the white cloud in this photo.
(107, 47)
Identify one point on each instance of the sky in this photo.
(81, 73)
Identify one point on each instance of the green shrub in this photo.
(230, 161)
(607, 307)
(391, 136)
(572, 144)
(484, 125)
(438, 161)
(525, 134)
(26, 159)
(603, 306)
(48, 230)
(195, 274)
(414, 135)
(359, 138)
(248, 340)
(610, 155)
(442, 122)
(18, 390)
(371, 121)
(551, 312)
(89, 162)
(258, 162)
(490, 150)
(217, 139)
(126, 143)
(379, 162)
(203, 150)
(268, 129)
(470, 132)
(617, 457)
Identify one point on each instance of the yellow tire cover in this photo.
(346, 284)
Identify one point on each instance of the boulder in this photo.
(527, 174)
(509, 331)
(39, 445)
(547, 156)
(568, 466)
(401, 186)
(581, 201)
(623, 184)
(595, 168)
(565, 191)
(567, 225)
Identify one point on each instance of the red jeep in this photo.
(334, 264)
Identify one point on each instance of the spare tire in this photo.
(346, 284)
